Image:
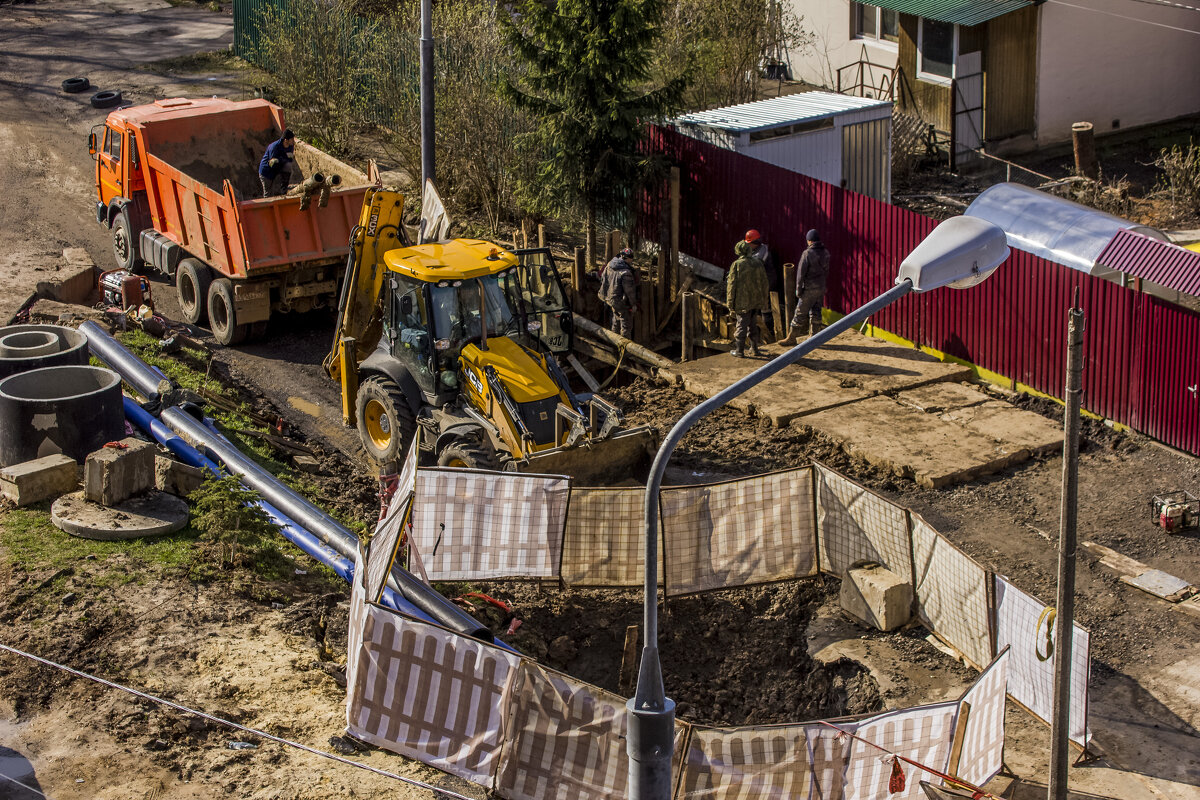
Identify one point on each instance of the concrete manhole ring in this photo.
(150, 514)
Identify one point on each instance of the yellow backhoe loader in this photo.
(458, 340)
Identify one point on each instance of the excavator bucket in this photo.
(599, 462)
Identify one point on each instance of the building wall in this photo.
(1010, 64)
(1115, 60)
(829, 21)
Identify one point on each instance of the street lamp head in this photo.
(959, 253)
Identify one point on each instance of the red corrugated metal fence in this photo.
(1140, 351)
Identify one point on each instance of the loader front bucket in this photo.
(623, 455)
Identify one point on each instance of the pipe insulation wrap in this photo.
(298, 536)
(148, 381)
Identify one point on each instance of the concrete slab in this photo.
(1003, 421)
(848, 369)
(151, 514)
(930, 450)
(936, 398)
(40, 479)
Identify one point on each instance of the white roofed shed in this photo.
(835, 138)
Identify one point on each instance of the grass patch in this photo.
(31, 542)
(145, 347)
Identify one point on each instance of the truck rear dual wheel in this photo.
(192, 279)
(222, 314)
(386, 423)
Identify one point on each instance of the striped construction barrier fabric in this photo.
(604, 539)
(924, 734)
(857, 525)
(1022, 626)
(471, 524)
(982, 705)
(739, 532)
(952, 593)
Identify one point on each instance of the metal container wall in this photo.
(1139, 351)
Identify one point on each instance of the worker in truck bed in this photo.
(275, 169)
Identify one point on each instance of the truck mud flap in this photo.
(617, 459)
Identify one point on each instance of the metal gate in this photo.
(966, 118)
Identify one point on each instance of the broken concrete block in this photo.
(40, 479)
(307, 464)
(112, 475)
(175, 477)
(877, 597)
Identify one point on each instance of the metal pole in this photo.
(427, 173)
(651, 721)
(1065, 615)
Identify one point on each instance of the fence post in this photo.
(577, 269)
(541, 235)
(673, 262)
(687, 313)
(789, 294)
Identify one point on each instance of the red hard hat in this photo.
(752, 236)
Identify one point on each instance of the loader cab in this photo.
(536, 293)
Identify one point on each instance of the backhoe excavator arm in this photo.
(379, 229)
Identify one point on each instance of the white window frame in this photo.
(877, 39)
(929, 76)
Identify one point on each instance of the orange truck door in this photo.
(111, 166)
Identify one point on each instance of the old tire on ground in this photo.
(76, 85)
(469, 454)
(386, 423)
(123, 245)
(222, 314)
(106, 99)
(192, 279)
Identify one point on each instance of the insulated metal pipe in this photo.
(305, 540)
(308, 516)
(149, 382)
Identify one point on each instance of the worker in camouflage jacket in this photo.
(618, 290)
(811, 276)
(746, 294)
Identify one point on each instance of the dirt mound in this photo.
(730, 657)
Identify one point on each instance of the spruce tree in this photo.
(584, 72)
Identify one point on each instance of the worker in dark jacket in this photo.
(774, 280)
(811, 277)
(745, 294)
(619, 292)
(275, 169)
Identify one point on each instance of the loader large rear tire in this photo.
(386, 423)
(469, 454)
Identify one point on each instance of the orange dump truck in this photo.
(177, 184)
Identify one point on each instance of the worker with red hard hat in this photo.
(774, 279)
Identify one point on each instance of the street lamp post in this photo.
(960, 252)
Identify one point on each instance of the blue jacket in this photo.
(275, 150)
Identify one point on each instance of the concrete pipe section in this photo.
(68, 409)
(28, 347)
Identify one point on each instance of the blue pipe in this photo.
(298, 536)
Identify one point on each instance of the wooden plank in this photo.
(960, 733)
(581, 371)
(1121, 564)
(629, 661)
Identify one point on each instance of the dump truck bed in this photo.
(201, 172)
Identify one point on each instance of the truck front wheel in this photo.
(386, 424)
(192, 279)
(123, 245)
(222, 314)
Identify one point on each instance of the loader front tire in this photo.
(386, 424)
(469, 454)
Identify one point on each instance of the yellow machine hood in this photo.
(523, 376)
